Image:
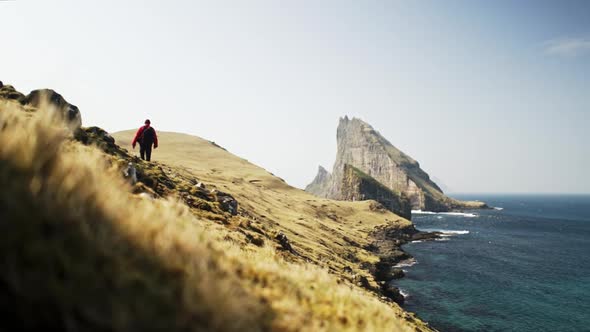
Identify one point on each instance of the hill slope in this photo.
(362, 147)
(315, 226)
(83, 249)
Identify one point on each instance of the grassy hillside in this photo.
(316, 227)
(81, 250)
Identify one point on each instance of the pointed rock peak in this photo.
(354, 122)
(322, 175)
(343, 121)
(319, 184)
(322, 170)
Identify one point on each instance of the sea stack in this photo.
(368, 166)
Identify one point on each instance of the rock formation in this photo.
(47, 97)
(358, 186)
(369, 167)
(8, 92)
(44, 99)
(318, 185)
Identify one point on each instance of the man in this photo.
(146, 136)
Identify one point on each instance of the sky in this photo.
(489, 96)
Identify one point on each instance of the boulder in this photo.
(9, 92)
(49, 98)
(386, 272)
(393, 293)
(200, 191)
(397, 273)
(284, 241)
(227, 202)
(363, 282)
(98, 137)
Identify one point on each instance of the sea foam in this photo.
(458, 214)
(406, 263)
(446, 232)
(404, 293)
(422, 212)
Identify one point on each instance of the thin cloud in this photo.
(568, 47)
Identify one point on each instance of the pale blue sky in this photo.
(489, 96)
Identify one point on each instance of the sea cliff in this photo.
(375, 160)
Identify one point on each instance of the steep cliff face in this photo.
(358, 186)
(362, 147)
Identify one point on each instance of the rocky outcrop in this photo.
(9, 92)
(362, 148)
(47, 97)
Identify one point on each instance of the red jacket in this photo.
(140, 133)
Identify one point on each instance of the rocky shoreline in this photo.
(386, 243)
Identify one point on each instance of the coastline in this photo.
(387, 242)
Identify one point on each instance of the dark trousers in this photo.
(145, 150)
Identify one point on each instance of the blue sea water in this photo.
(523, 268)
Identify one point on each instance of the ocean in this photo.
(524, 266)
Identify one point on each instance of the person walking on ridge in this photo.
(146, 136)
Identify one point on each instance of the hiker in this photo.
(146, 136)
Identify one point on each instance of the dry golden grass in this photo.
(316, 226)
(78, 251)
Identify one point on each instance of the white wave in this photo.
(422, 212)
(454, 232)
(404, 293)
(417, 241)
(406, 263)
(458, 214)
(498, 208)
(446, 232)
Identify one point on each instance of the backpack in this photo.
(147, 136)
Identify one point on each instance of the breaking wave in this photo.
(458, 214)
(406, 263)
(454, 232)
(446, 232)
(404, 293)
